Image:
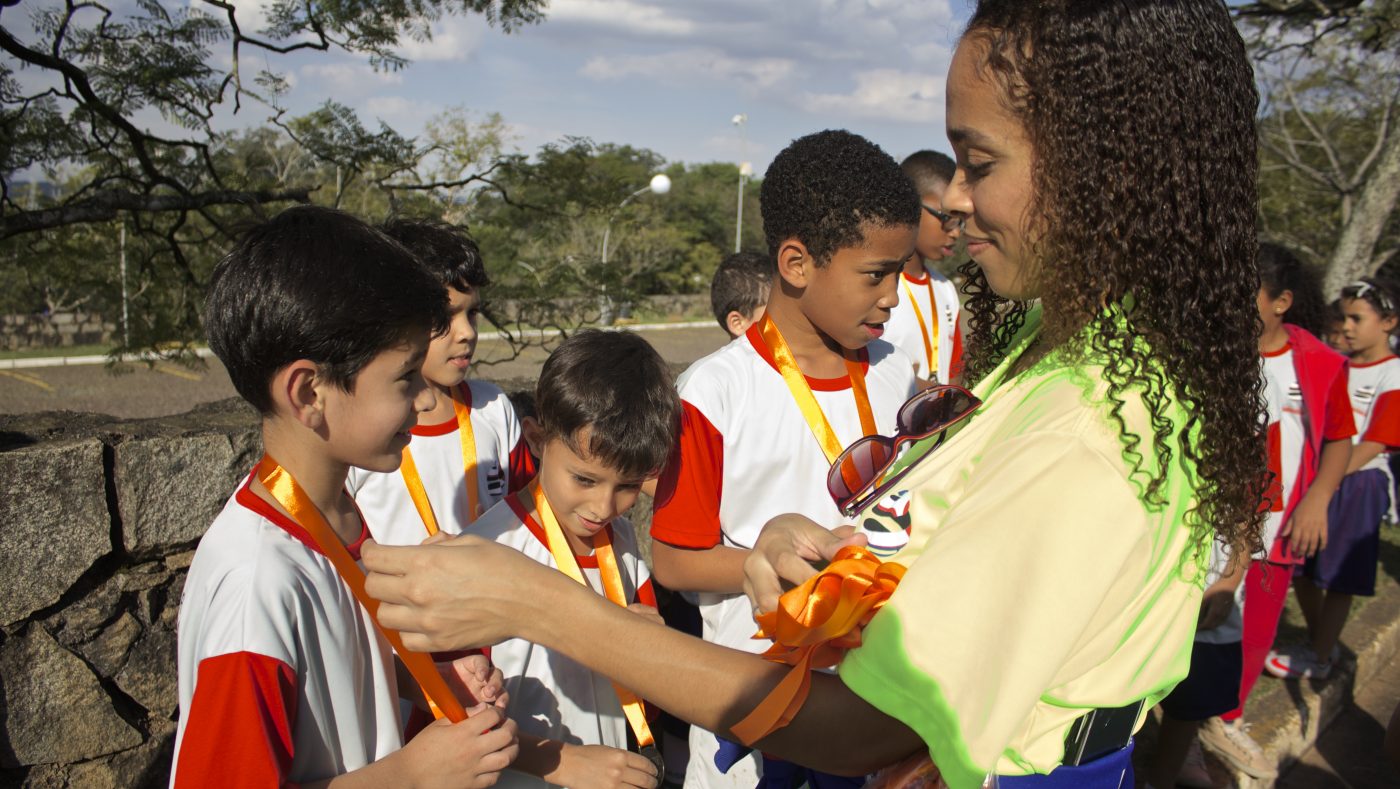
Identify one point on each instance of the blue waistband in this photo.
(1112, 771)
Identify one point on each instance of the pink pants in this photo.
(1265, 590)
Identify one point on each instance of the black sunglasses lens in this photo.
(926, 414)
(858, 466)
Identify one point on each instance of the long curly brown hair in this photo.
(1140, 114)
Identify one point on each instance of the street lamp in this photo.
(745, 170)
(660, 185)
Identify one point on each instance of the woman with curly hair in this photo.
(1106, 178)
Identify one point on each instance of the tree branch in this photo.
(106, 205)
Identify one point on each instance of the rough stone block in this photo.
(150, 676)
(53, 522)
(55, 710)
(196, 473)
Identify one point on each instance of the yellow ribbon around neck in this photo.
(567, 563)
(930, 346)
(802, 392)
(462, 408)
(285, 491)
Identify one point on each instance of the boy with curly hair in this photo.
(840, 220)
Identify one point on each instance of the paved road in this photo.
(171, 389)
(1348, 754)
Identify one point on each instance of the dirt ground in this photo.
(171, 389)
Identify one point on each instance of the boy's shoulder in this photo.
(485, 393)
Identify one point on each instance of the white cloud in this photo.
(633, 16)
(401, 113)
(454, 38)
(350, 77)
(689, 64)
(885, 94)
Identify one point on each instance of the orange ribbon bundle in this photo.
(814, 625)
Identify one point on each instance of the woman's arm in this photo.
(470, 592)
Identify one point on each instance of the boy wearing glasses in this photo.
(764, 417)
(925, 324)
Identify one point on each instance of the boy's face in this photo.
(585, 493)
(935, 243)
(369, 425)
(850, 298)
(450, 353)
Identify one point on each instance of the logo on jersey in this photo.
(495, 478)
(887, 526)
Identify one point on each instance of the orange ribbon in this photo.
(813, 627)
(462, 408)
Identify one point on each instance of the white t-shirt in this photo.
(747, 454)
(503, 464)
(935, 299)
(283, 676)
(1284, 400)
(1375, 404)
(552, 696)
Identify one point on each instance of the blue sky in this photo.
(668, 75)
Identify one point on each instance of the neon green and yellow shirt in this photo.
(1040, 583)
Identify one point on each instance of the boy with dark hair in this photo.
(284, 674)
(467, 451)
(739, 291)
(925, 324)
(763, 418)
(608, 419)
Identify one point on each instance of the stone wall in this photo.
(99, 519)
(60, 329)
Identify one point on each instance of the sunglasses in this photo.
(943, 217)
(857, 477)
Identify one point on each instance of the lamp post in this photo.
(745, 170)
(660, 184)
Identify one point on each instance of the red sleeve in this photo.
(522, 465)
(238, 729)
(686, 512)
(1384, 425)
(1338, 422)
(1273, 495)
(646, 595)
(955, 364)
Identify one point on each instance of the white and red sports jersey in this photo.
(283, 676)
(551, 695)
(1375, 405)
(1283, 398)
(935, 299)
(747, 454)
(503, 465)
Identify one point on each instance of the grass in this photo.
(64, 350)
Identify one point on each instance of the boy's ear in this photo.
(534, 436)
(794, 262)
(296, 393)
(736, 323)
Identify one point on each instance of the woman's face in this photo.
(992, 187)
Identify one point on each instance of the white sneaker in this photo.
(1298, 666)
(1232, 743)
(1193, 772)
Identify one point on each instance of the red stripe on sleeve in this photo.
(1338, 420)
(687, 495)
(522, 465)
(1384, 425)
(646, 595)
(955, 366)
(238, 729)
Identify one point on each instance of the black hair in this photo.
(1380, 295)
(318, 284)
(445, 249)
(930, 171)
(823, 187)
(615, 385)
(741, 284)
(1280, 270)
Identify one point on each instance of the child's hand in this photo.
(1307, 529)
(473, 679)
(1215, 609)
(647, 612)
(601, 767)
(466, 755)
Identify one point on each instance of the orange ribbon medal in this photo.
(567, 563)
(802, 392)
(930, 347)
(293, 498)
(813, 627)
(462, 407)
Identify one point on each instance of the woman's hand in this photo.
(784, 554)
(462, 593)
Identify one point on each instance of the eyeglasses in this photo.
(943, 217)
(863, 464)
